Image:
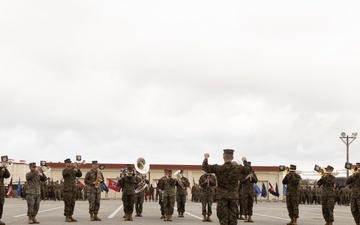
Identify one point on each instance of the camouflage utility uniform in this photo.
(292, 182)
(207, 182)
(328, 197)
(33, 193)
(354, 181)
(94, 192)
(69, 191)
(4, 173)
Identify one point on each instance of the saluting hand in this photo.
(206, 155)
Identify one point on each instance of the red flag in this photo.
(113, 185)
(9, 193)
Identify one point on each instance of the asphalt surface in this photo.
(111, 212)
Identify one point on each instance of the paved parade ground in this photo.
(111, 212)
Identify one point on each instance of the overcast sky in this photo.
(277, 81)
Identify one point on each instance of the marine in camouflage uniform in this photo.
(33, 191)
(354, 181)
(181, 193)
(328, 195)
(159, 193)
(93, 178)
(127, 182)
(70, 173)
(207, 182)
(247, 192)
(228, 176)
(167, 185)
(292, 182)
(4, 173)
(140, 196)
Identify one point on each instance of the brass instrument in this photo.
(286, 169)
(98, 176)
(178, 176)
(354, 168)
(5, 161)
(43, 167)
(321, 171)
(78, 162)
(143, 168)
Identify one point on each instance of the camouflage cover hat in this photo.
(229, 151)
(129, 167)
(32, 164)
(169, 171)
(68, 160)
(94, 162)
(329, 168)
(292, 167)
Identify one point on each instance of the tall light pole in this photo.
(347, 140)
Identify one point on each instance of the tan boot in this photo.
(35, 221)
(208, 219)
(291, 222)
(241, 217)
(130, 217)
(96, 218)
(162, 217)
(295, 221)
(91, 217)
(166, 218)
(245, 218)
(72, 219)
(169, 218)
(250, 220)
(204, 219)
(30, 220)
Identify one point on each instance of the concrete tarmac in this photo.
(111, 212)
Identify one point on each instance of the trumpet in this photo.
(321, 171)
(354, 168)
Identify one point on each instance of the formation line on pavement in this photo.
(40, 211)
(116, 211)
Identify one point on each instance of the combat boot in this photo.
(30, 220)
(72, 219)
(241, 217)
(295, 221)
(249, 219)
(67, 219)
(2, 223)
(179, 214)
(169, 218)
(330, 223)
(91, 217)
(208, 219)
(34, 220)
(204, 219)
(96, 218)
(130, 217)
(162, 217)
(291, 222)
(245, 218)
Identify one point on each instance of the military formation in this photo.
(230, 185)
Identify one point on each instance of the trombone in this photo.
(286, 169)
(321, 171)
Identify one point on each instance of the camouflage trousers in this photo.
(139, 201)
(94, 202)
(161, 203)
(128, 202)
(241, 206)
(292, 204)
(248, 204)
(33, 204)
(169, 202)
(328, 204)
(180, 201)
(355, 209)
(226, 211)
(69, 202)
(206, 202)
(2, 202)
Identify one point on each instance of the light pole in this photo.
(347, 141)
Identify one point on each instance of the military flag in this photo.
(113, 185)
(263, 191)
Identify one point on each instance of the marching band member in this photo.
(127, 182)
(207, 182)
(70, 173)
(328, 195)
(247, 192)
(292, 182)
(181, 193)
(354, 181)
(4, 173)
(33, 197)
(227, 176)
(93, 180)
(167, 185)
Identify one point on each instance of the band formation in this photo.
(230, 185)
